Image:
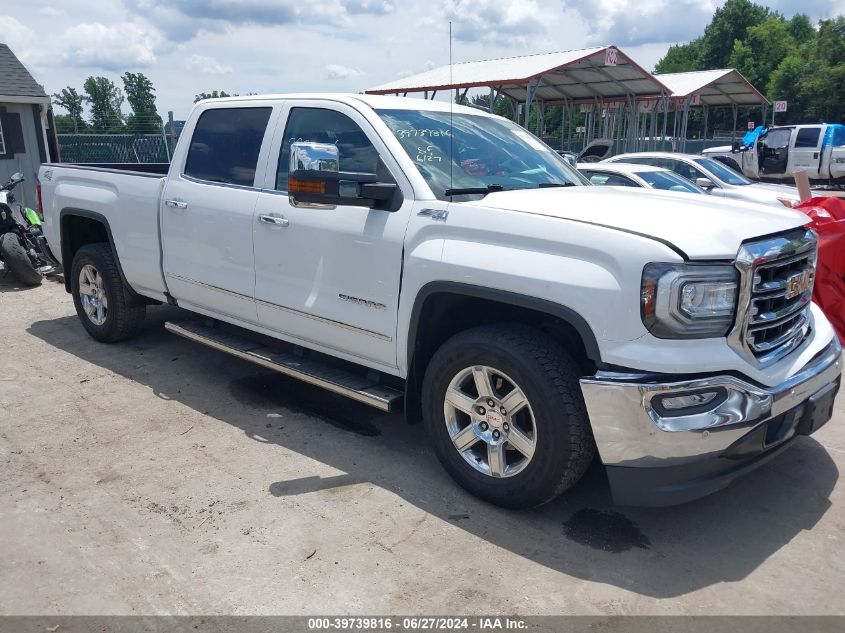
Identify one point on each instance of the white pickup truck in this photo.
(528, 322)
(778, 153)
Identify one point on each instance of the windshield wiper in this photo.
(547, 185)
(471, 190)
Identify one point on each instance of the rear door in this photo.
(207, 213)
(806, 153)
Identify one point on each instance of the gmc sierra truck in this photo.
(433, 257)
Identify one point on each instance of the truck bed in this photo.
(127, 196)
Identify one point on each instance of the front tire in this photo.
(504, 409)
(103, 302)
(16, 258)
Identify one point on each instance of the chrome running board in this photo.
(360, 388)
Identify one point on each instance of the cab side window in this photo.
(355, 151)
(225, 145)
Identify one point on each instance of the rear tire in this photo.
(544, 443)
(103, 302)
(16, 258)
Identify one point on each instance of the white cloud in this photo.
(50, 12)
(505, 22)
(338, 71)
(206, 65)
(181, 19)
(21, 39)
(111, 47)
(629, 24)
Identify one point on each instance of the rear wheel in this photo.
(504, 409)
(103, 302)
(18, 261)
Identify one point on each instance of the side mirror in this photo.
(705, 183)
(17, 177)
(315, 180)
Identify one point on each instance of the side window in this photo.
(779, 138)
(355, 151)
(838, 136)
(808, 137)
(609, 180)
(684, 169)
(225, 145)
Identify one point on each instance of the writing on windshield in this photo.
(465, 151)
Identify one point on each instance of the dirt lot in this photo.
(160, 477)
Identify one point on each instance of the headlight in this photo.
(688, 300)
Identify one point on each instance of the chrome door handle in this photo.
(176, 204)
(274, 220)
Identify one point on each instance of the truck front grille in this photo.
(776, 284)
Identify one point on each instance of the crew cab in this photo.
(434, 258)
(777, 153)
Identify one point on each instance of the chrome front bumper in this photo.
(629, 430)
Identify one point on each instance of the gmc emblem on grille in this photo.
(797, 284)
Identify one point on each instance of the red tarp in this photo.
(828, 220)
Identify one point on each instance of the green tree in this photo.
(801, 28)
(730, 23)
(74, 103)
(214, 94)
(681, 58)
(140, 94)
(105, 99)
(765, 46)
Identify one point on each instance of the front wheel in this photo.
(103, 302)
(504, 409)
(18, 261)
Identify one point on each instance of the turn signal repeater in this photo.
(297, 185)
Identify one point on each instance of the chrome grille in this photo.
(777, 277)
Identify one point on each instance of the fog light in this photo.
(692, 400)
(689, 403)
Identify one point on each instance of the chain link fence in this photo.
(114, 148)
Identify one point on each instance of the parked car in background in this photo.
(714, 176)
(421, 255)
(632, 175)
(777, 153)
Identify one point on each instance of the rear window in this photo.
(808, 137)
(225, 145)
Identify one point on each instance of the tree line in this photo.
(789, 59)
(104, 100)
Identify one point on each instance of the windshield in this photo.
(487, 151)
(668, 181)
(723, 172)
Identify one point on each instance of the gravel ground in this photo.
(160, 477)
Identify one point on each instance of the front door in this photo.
(774, 151)
(207, 214)
(330, 276)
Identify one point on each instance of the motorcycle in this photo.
(23, 247)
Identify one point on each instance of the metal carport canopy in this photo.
(723, 87)
(582, 75)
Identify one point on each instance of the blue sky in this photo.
(189, 46)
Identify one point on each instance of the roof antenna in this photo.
(451, 108)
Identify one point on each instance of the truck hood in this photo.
(703, 227)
